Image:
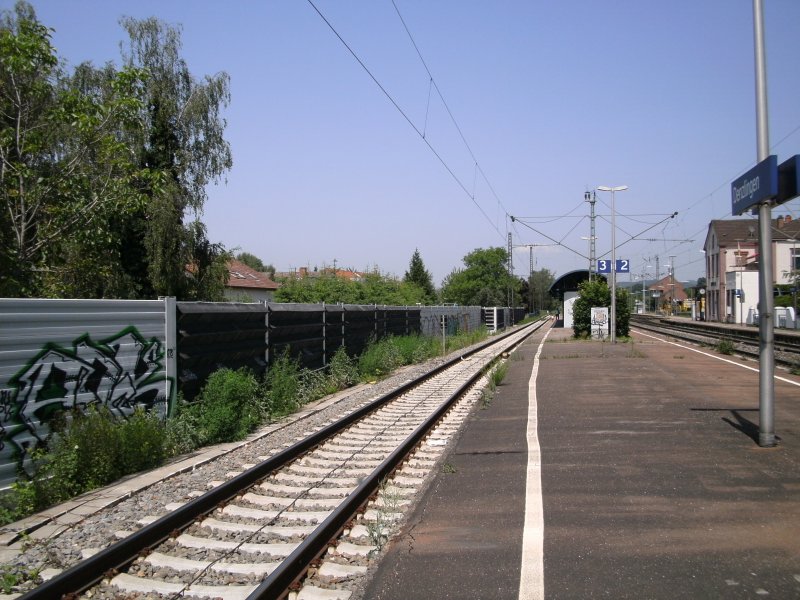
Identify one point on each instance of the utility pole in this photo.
(591, 198)
(510, 279)
(530, 281)
(672, 283)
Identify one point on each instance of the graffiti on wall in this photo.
(120, 372)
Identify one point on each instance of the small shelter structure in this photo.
(565, 288)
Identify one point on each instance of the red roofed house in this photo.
(669, 294)
(248, 285)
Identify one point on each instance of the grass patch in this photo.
(498, 374)
(487, 396)
(725, 346)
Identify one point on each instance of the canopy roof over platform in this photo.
(569, 282)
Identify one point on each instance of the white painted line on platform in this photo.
(531, 579)
(732, 362)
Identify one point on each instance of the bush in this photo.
(81, 456)
(180, 430)
(141, 442)
(342, 371)
(227, 408)
(282, 385)
(86, 451)
(380, 358)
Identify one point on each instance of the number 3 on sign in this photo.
(603, 266)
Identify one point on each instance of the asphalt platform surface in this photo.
(653, 483)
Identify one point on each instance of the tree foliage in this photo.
(65, 170)
(484, 280)
(372, 289)
(418, 275)
(538, 296)
(99, 168)
(183, 140)
(252, 261)
(596, 293)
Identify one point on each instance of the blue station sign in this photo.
(758, 184)
(623, 265)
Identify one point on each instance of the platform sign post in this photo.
(766, 303)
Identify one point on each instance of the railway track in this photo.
(743, 340)
(305, 521)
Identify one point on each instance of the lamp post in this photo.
(613, 321)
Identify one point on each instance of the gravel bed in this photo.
(99, 530)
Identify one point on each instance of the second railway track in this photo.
(306, 519)
(744, 341)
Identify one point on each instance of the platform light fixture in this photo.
(613, 321)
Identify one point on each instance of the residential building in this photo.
(248, 285)
(731, 249)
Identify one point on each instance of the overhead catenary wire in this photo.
(435, 86)
(420, 133)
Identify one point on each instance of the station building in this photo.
(731, 249)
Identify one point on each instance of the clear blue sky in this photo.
(554, 98)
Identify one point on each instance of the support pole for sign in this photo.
(766, 309)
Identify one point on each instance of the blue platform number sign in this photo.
(622, 266)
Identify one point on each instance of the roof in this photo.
(242, 276)
(732, 231)
(569, 282)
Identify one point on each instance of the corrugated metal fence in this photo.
(60, 355)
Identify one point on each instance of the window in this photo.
(795, 262)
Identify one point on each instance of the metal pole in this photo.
(672, 284)
(613, 320)
(530, 282)
(444, 335)
(766, 372)
(591, 198)
(644, 284)
(613, 323)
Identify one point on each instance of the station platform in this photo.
(599, 470)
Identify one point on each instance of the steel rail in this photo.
(90, 571)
